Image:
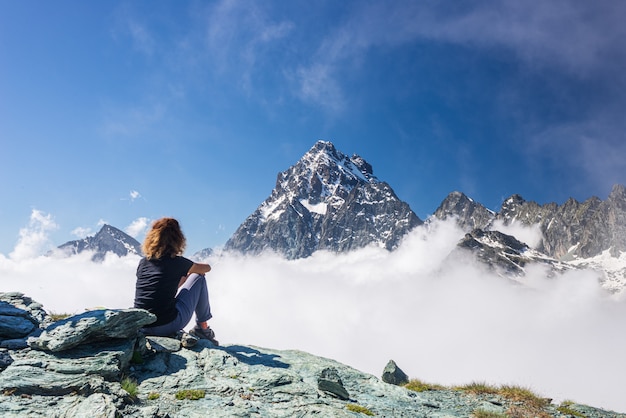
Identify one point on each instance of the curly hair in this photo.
(165, 239)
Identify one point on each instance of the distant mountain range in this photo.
(591, 234)
(329, 201)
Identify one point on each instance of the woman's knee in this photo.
(193, 279)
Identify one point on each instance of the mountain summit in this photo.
(108, 239)
(326, 201)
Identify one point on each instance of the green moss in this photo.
(153, 396)
(360, 409)
(191, 394)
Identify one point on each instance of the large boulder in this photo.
(92, 326)
(20, 317)
(394, 375)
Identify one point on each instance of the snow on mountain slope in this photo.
(328, 201)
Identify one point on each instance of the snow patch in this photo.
(314, 208)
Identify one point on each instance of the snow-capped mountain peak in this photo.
(108, 239)
(326, 200)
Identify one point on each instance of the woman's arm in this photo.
(195, 268)
(199, 268)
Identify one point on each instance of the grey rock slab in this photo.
(162, 344)
(330, 382)
(20, 301)
(96, 405)
(91, 326)
(81, 370)
(14, 323)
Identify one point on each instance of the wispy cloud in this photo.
(138, 227)
(318, 85)
(577, 37)
(128, 27)
(81, 232)
(34, 238)
(130, 120)
(592, 148)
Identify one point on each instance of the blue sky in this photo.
(124, 112)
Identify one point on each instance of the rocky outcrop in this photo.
(574, 229)
(112, 374)
(91, 326)
(20, 318)
(590, 235)
(505, 254)
(326, 201)
(394, 375)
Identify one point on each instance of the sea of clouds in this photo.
(446, 321)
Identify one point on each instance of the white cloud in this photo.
(138, 227)
(443, 321)
(134, 194)
(318, 85)
(530, 235)
(34, 239)
(81, 232)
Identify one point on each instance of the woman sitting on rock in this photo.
(171, 286)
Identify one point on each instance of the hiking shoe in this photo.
(204, 334)
(188, 340)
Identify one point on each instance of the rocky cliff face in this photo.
(469, 214)
(108, 239)
(574, 229)
(96, 364)
(505, 254)
(326, 201)
(570, 230)
(591, 234)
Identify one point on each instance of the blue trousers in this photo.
(192, 297)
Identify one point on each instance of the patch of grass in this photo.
(529, 404)
(130, 386)
(478, 388)
(191, 394)
(522, 394)
(417, 385)
(564, 408)
(360, 409)
(483, 413)
(152, 396)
